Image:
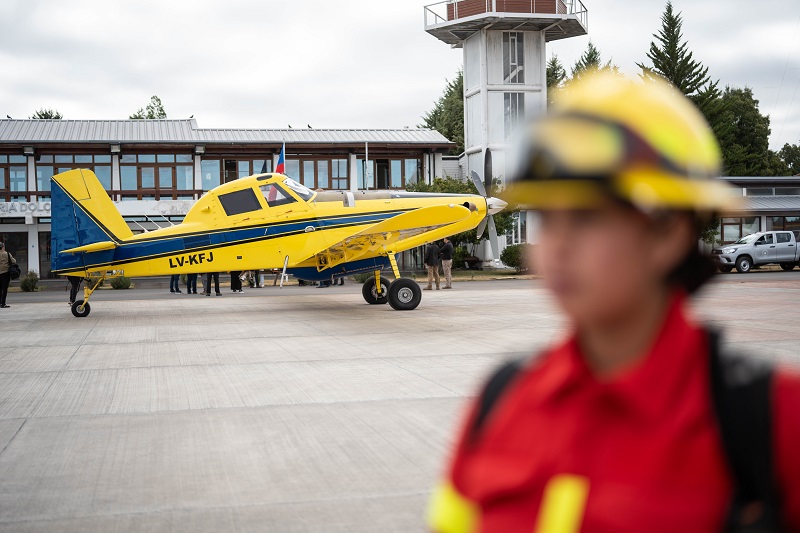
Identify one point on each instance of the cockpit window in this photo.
(238, 202)
(301, 190)
(274, 195)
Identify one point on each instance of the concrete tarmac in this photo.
(286, 410)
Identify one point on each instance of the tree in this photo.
(745, 145)
(154, 110)
(672, 60)
(503, 221)
(790, 154)
(46, 113)
(591, 61)
(447, 115)
(555, 77)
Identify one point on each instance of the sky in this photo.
(338, 64)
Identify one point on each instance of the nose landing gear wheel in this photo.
(370, 292)
(404, 294)
(81, 309)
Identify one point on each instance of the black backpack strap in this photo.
(741, 395)
(492, 392)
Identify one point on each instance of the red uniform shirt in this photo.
(645, 446)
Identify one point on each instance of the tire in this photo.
(787, 266)
(80, 309)
(744, 264)
(404, 294)
(725, 269)
(370, 294)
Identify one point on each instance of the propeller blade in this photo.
(493, 239)
(478, 183)
(482, 226)
(487, 172)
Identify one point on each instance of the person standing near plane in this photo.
(174, 283)
(446, 255)
(6, 260)
(640, 420)
(74, 286)
(191, 283)
(432, 264)
(236, 282)
(215, 277)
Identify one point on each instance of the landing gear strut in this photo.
(402, 294)
(81, 308)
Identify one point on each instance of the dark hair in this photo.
(696, 268)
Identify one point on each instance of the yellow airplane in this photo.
(267, 221)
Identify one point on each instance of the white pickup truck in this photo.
(760, 248)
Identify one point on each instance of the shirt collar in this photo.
(648, 387)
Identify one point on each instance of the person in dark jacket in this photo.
(74, 285)
(174, 284)
(191, 283)
(215, 277)
(432, 263)
(6, 260)
(446, 255)
(236, 283)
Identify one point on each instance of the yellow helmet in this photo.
(644, 143)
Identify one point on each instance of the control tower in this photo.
(504, 64)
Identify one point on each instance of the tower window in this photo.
(514, 106)
(513, 57)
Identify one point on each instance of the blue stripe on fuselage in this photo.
(139, 251)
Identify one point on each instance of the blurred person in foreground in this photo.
(639, 420)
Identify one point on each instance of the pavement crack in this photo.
(13, 437)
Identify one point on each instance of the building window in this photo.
(323, 174)
(291, 168)
(783, 224)
(156, 176)
(735, 228)
(514, 105)
(411, 174)
(211, 173)
(513, 57)
(339, 179)
(396, 173)
(13, 177)
(366, 175)
(49, 165)
(518, 233)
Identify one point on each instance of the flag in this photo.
(280, 169)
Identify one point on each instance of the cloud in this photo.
(350, 63)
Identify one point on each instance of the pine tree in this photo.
(591, 61)
(555, 77)
(671, 59)
(46, 113)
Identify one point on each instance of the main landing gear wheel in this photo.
(404, 294)
(81, 309)
(370, 292)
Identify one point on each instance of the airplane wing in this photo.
(396, 234)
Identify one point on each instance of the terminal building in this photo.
(156, 169)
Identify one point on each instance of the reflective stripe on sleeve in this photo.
(450, 512)
(563, 505)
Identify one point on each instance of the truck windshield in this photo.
(746, 240)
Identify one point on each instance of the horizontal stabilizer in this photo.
(94, 247)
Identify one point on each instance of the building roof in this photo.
(769, 203)
(187, 131)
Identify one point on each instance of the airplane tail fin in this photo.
(83, 220)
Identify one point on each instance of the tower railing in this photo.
(450, 10)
